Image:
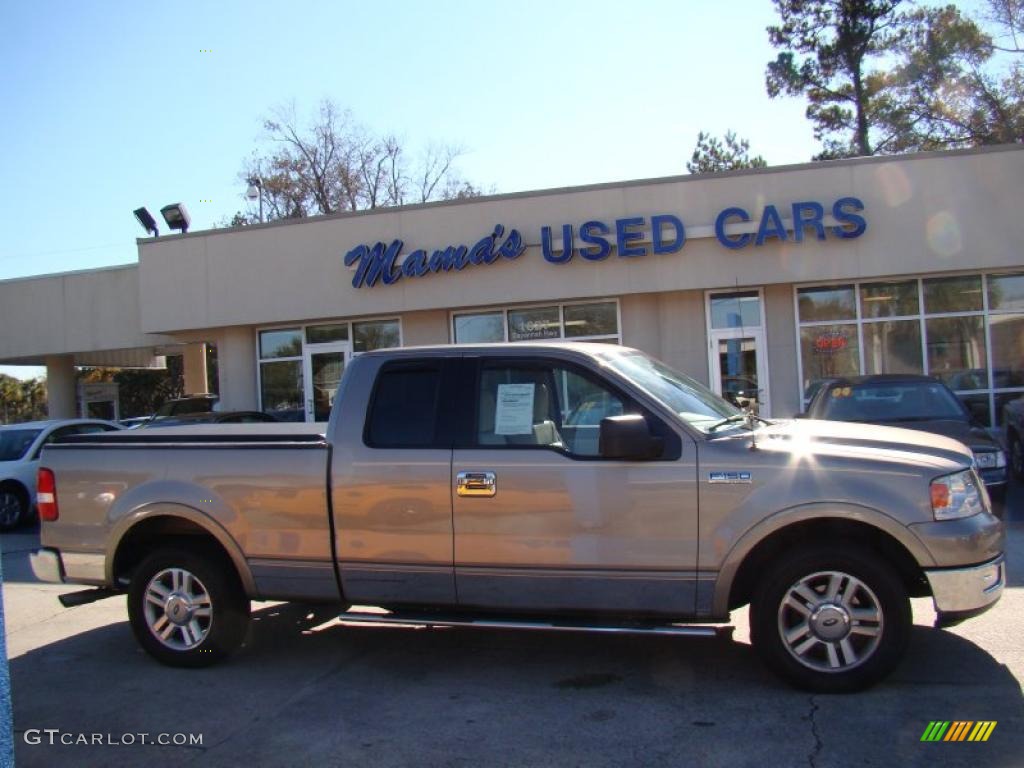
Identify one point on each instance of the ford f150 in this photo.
(555, 485)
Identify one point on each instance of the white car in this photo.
(20, 446)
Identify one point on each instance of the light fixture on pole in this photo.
(176, 216)
(145, 218)
(255, 191)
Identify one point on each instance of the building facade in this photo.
(766, 280)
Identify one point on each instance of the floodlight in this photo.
(145, 218)
(176, 216)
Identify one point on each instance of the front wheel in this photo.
(187, 609)
(831, 620)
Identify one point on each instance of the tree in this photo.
(944, 93)
(21, 400)
(828, 47)
(881, 76)
(712, 155)
(334, 164)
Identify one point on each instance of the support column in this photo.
(236, 369)
(61, 394)
(194, 363)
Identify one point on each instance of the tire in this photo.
(13, 508)
(187, 608)
(831, 648)
(1016, 456)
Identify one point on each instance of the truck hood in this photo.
(868, 441)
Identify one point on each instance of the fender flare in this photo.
(183, 512)
(844, 511)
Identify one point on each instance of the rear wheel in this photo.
(13, 508)
(187, 609)
(831, 620)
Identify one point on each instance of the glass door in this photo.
(323, 365)
(738, 361)
(737, 370)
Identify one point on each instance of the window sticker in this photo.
(513, 413)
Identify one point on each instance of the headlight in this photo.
(958, 495)
(989, 459)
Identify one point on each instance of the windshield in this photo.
(14, 443)
(695, 403)
(882, 401)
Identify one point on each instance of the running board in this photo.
(86, 596)
(440, 620)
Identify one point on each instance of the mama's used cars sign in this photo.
(631, 237)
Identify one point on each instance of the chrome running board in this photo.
(476, 622)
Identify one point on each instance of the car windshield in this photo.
(890, 401)
(14, 443)
(695, 403)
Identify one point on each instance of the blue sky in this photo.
(113, 105)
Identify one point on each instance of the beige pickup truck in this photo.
(579, 487)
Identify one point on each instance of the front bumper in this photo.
(960, 593)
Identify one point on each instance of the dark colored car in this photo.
(213, 417)
(912, 402)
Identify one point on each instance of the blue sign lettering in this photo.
(381, 263)
(378, 263)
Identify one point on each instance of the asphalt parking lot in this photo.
(307, 690)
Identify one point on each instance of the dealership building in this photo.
(765, 280)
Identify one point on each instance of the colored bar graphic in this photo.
(958, 730)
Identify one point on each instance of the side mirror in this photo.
(628, 437)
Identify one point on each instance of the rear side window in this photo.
(403, 411)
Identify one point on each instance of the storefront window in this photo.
(828, 351)
(952, 294)
(1007, 333)
(480, 329)
(888, 299)
(281, 342)
(736, 310)
(833, 302)
(1006, 292)
(893, 346)
(281, 389)
(375, 334)
(532, 324)
(299, 374)
(323, 334)
(975, 347)
(956, 351)
(597, 321)
(591, 319)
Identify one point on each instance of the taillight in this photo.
(46, 495)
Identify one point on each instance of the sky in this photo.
(114, 105)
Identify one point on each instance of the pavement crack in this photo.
(812, 758)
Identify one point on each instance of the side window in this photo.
(545, 406)
(403, 411)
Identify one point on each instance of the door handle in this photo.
(476, 483)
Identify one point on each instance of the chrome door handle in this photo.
(476, 483)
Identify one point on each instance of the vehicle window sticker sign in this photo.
(513, 412)
(741, 476)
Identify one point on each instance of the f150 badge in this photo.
(728, 477)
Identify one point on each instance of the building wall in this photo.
(782, 359)
(72, 312)
(925, 213)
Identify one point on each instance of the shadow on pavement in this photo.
(302, 691)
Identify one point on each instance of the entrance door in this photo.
(738, 361)
(322, 366)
